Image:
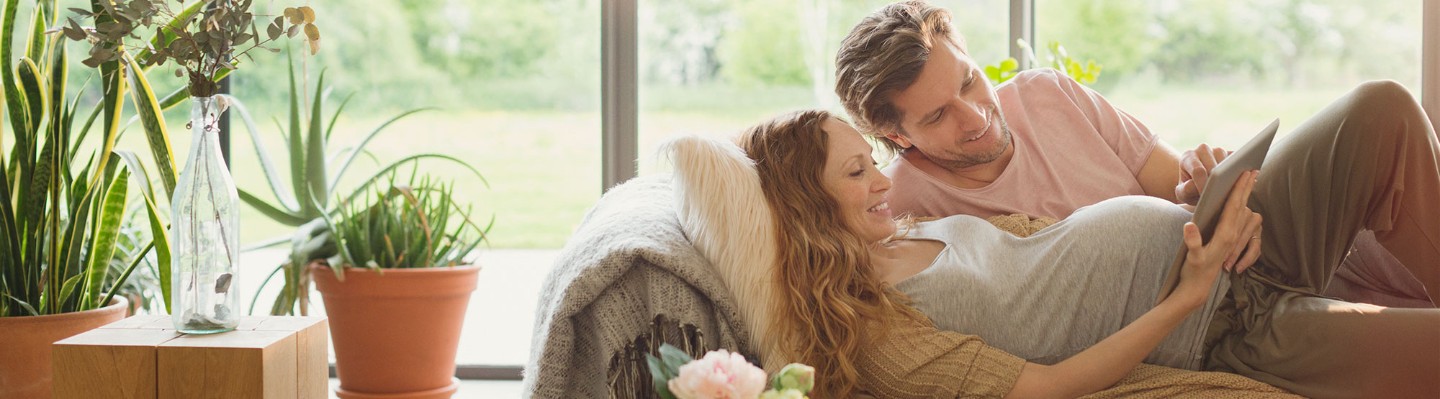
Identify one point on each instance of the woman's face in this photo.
(856, 184)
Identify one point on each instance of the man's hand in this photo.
(1195, 166)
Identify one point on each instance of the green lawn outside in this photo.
(543, 168)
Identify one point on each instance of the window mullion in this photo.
(1022, 26)
(618, 91)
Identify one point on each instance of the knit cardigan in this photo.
(629, 261)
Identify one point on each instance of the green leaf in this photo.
(297, 153)
(258, 290)
(66, 291)
(161, 239)
(315, 151)
(674, 357)
(336, 116)
(113, 87)
(24, 305)
(120, 281)
(16, 104)
(139, 172)
(659, 377)
(107, 230)
(345, 166)
(286, 199)
(35, 47)
(37, 99)
(69, 253)
(286, 217)
(413, 158)
(153, 119)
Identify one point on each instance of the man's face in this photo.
(950, 114)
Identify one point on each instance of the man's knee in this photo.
(1385, 108)
(1384, 95)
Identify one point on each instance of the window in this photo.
(715, 67)
(518, 87)
(515, 87)
(1211, 71)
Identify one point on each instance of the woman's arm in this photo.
(1102, 365)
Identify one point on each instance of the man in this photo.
(1044, 145)
(904, 77)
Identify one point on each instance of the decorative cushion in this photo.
(723, 212)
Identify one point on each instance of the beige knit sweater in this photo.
(916, 360)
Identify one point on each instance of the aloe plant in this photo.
(418, 224)
(61, 212)
(315, 170)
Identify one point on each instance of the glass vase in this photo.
(204, 232)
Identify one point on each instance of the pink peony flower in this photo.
(718, 375)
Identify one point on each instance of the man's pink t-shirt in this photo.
(1072, 149)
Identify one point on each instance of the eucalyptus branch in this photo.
(205, 34)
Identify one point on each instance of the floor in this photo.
(470, 389)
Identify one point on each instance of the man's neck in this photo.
(969, 177)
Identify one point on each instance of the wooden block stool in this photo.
(144, 357)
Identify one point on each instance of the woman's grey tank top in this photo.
(1051, 295)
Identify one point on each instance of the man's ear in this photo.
(898, 139)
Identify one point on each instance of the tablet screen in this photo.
(1217, 188)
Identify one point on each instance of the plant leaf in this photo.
(37, 99)
(345, 166)
(107, 229)
(413, 158)
(286, 217)
(297, 153)
(153, 119)
(286, 199)
(315, 173)
(161, 238)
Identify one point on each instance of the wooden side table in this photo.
(144, 357)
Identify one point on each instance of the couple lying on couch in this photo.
(1070, 310)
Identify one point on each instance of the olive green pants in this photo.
(1366, 162)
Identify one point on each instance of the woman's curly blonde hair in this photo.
(831, 298)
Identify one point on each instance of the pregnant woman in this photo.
(1067, 311)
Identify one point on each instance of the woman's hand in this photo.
(1235, 245)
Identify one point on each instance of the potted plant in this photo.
(309, 144)
(205, 41)
(397, 291)
(61, 208)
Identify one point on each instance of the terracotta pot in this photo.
(25, 354)
(396, 331)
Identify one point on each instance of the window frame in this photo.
(620, 104)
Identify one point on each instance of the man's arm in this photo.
(1161, 173)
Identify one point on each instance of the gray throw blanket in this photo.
(627, 262)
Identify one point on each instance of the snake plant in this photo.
(61, 210)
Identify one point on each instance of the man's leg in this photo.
(1368, 161)
(1370, 274)
(1324, 348)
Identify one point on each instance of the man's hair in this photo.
(883, 55)
(834, 305)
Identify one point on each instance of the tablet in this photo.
(1217, 188)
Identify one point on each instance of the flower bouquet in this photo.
(724, 375)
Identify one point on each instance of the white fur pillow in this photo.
(723, 211)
